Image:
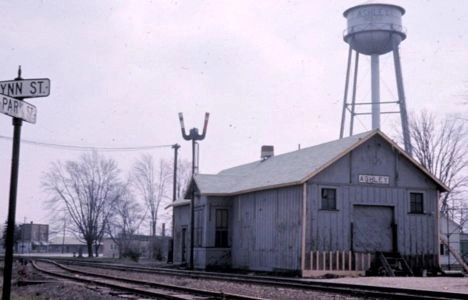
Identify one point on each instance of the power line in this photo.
(87, 148)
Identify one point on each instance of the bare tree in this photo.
(442, 148)
(18, 234)
(184, 176)
(152, 184)
(88, 190)
(58, 225)
(124, 224)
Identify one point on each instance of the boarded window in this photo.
(416, 203)
(221, 238)
(328, 199)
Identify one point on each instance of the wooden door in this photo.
(372, 228)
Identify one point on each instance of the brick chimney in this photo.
(267, 152)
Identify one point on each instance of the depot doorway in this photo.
(373, 229)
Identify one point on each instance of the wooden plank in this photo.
(303, 224)
(350, 262)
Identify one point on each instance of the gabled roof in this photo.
(290, 168)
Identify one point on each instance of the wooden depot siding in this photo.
(267, 235)
(208, 256)
(212, 205)
(181, 228)
(333, 230)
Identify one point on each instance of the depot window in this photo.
(221, 236)
(328, 199)
(416, 203)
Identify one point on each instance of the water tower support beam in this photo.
(345, 97)
(353, 103)
(375, 90)
(402, 100)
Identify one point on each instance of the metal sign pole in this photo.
(12, 94)
(9, 241)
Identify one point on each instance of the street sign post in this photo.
(12, 93)
(25, 88)
(18, 109)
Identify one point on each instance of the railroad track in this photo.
(364, 291)
(135, 287)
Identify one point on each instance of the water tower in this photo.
(374, 30)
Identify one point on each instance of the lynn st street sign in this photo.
(18, 108)
(25, 88)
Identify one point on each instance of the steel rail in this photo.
(331, 287)
(148, 289)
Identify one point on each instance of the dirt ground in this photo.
(50, 289)
(59, 291)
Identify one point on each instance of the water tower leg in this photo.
(345, 97)
(402, 101)
(353, 101)
(375, 89)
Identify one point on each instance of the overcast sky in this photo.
(269, 72)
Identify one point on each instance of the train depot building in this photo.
(344, 207)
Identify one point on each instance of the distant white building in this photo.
(464, 246)
(449, 240)
(66, 245)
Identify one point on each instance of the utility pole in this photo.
(174, 185)
(193, 136)
(174, 198)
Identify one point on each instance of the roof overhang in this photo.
(177, 203)
(257, 189)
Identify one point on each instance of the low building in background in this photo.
(451, 252)
(67, 245)
(34, 238)
(141, 246)
(464, 246)
(449, 243)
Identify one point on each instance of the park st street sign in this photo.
(13, 91)
(25, 88)
(18, 108)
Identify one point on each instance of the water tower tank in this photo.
(374, 28)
